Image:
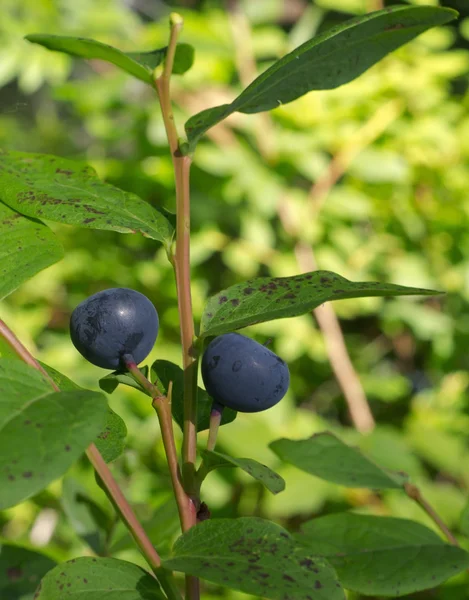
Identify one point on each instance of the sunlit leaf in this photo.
(325, 456)
(27, 247)
(270, 298)
(337, 56)
(67, 191)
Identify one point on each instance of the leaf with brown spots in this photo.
(382, 556)
(67, 191)
(36, 426)
(138, 64)
(27, 247)
(327, 457)
(329, 60)
(21, 570)
(270, 298)
(216, 460)
(254, 555)
(98, 578)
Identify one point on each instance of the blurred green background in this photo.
(398, 211)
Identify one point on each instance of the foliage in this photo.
(395, 143)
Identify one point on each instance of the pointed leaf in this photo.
(41, 433)
(21, 571)
(270, 298)
(138, 64)
(98, 578)
(28, 246)
(270, 479)
(256, 557)
(338, 56)
(325, 456)
(382, 556)
(68, 191)
(162, 372)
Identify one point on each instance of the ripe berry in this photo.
(242, 374)
(112, 323)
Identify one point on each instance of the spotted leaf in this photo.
(270, 298)
(41, 433)
(67, 191)
(256, 557)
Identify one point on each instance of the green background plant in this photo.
(398, 214)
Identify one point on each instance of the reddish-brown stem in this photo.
(181, 265)
(162, 406)
(215, 420)
(415, 494)
(112, 488)
(18, 348)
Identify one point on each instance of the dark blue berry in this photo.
(242, 374)
(112, 323)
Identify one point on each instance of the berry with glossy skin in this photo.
(112, 323)
(242, 374)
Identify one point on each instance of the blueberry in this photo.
(242, 374)
(112, 323)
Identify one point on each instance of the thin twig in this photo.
(181, 265)
(215, 419)
(414, 493)
(339, 358)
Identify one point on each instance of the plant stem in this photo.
(215, 419)
(414, 493)
(109, 483)
(162, 406)
(181, 265)
(181, 262)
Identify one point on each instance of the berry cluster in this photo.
(238, 372)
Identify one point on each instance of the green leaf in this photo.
(464, 520)
(162, 372)
(256, 557)
(68, 191)
(338, 56)
(382, 556)
(28, 246)
(270, 479)
(138, 64)
(269, 298)
(98, 578)
(325, 456)
(20, 571)
(183, 59)
(62, 381)
(41, 433)
(86, 517)
(110, 382)
(111, 440)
